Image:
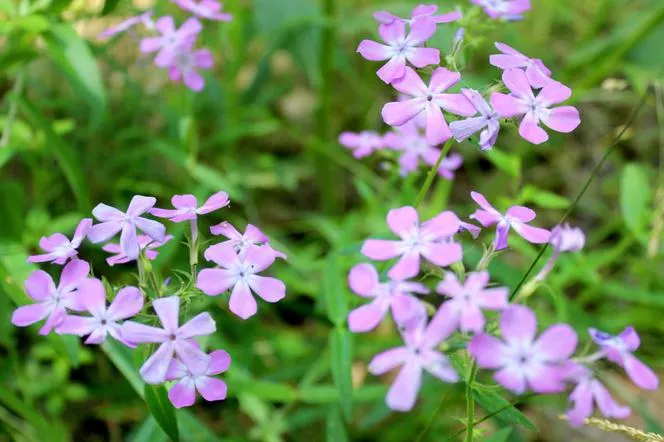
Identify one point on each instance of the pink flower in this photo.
(239, 272)
(566, 238)
(428, 101)
(393, 295)
(515, 218)
(488, 122)
(114, 221)
(252, 236)
(52, 302)
(183, 394)
(171, 40)
(538, 75)
(186, 64)
(401, 48)
(145, 19)
(146, 244)
(208, 9)
(589, 390)
(173, 339)
(104, 321)
(467, 301)
(418, 354)
(432, 239)
(58, 248)
(362, 144)
(504, 9)
(522, 361)
(420, 11)
(618, 349)
(535, 109)
(186, 207)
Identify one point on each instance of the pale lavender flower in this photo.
(362, 144)
(488, 122)
(59, 249)
(171, 41)
(145, 19)
(537, 73)
(563, 239)
(186, 209)
(145, 243)
(252, 236)
(183, 394)
(504, 9)
(419, 12)
(207, 9)
(186, 64)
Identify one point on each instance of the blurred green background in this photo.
(86, 121)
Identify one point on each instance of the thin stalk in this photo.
(13, 107)
(432, 173)
(470, 403)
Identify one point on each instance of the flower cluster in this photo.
(77, 305)
(175, 47)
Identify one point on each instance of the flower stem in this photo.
(470, 403)
(488, 256)
(432, 173)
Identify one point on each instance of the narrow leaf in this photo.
(334, 426)
(333, 291)
(341, 358)
(495, 403)
(163, 411)
(635, 197)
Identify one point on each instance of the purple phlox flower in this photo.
(449, 165)
(521, 360)
(618, 349)
(183, 394)
(173, 339)
(252, 236)
(417, 355)
(471, 228)
(563, 239)
(537, 73)
(171, 41)
(146, 244)
(186, 64)
(488, 122)
(468, 299)
(145, 19)
(240, 272)
(362, 144)
(401, 48)
(207, 9)
(114, 221)
(515, 218)
(52, 302)
(59, 249)
(538, 109)
(104, 321)
(186, 207)
(504, 9)
(589, 390)
(392, 295)
(431, 239)
(420, 11)
(428, 100)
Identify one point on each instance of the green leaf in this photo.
(109, 6)
(500, 435)
(74, 58)
(341, 359)
(493, 403)
(543, 198)
(336, 300)
(121, 356)
(334, 426)
(163, 411)
(31, 415)
(635, 197)
(510, 164)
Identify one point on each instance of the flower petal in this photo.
(403, 392)
(219, 362)
(553, 93)
(531, 131)
(443, 254)
(154, 369)
(532, 234)
(518, 324)
(403, 221)
(381, 249)
(153, 229)
(242, 302)
(30, 314)
(183, 394)
(215, 202)
(104, 231)
(363, 280)
(269, 289)
(517, 82)
(367, 317)
(73, 275)
(39, 285)
(556, 343)
(398, 113)
(489, 352)
(562, 119)
(407, 267)
(213, 282)
(76, 325)
(127, 303)
(374, 51)
(511, 379)
(387, 360)
(640, 373)
(211, 389)
(140, 333)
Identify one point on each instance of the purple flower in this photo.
(144, 18)
(186, 64)
(417, 355)
(183, 394)
(488, 122)
(252, 236)
(146, 244)
(618, 349)
(431, 239)
(207, 9)
(401, 48)
(173, 339)
(186, 207)
(467, 301)
(538, 75)
(522, 101)
(58, 248)
(52, 302)
(104, 321)
(515, 218)
(420, 11)
(471, 228)
(522, 361)
(567, 239)
(171, 40)
(393, 295)
(428, 100)
(504, 9)
(239, 272)
(362, 144)
(589, 390)
(114, 221)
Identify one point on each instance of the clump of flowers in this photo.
(77, 304)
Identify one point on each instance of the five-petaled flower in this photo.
(488, 122)
(362, 144)
(171, 41)
(186, 64)
(515, 218)
(186, 208)
(146, 244)
(252, 236)
(183, 394)
(431, 239)
(59, 249)
(207, 9)
(537, 73)
(521, 360)
(145, 19)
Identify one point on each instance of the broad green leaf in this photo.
(635, 197)
(510, 164)
(500, 435)
(33, 23)
(336, 300)
(121, 356)
(74, 58)
(495, 404)
(543, 198)
(163, 411)
(334, 426)
(341, 359)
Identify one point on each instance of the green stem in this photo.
(432, 173)
(11, 115)
(470, 403)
